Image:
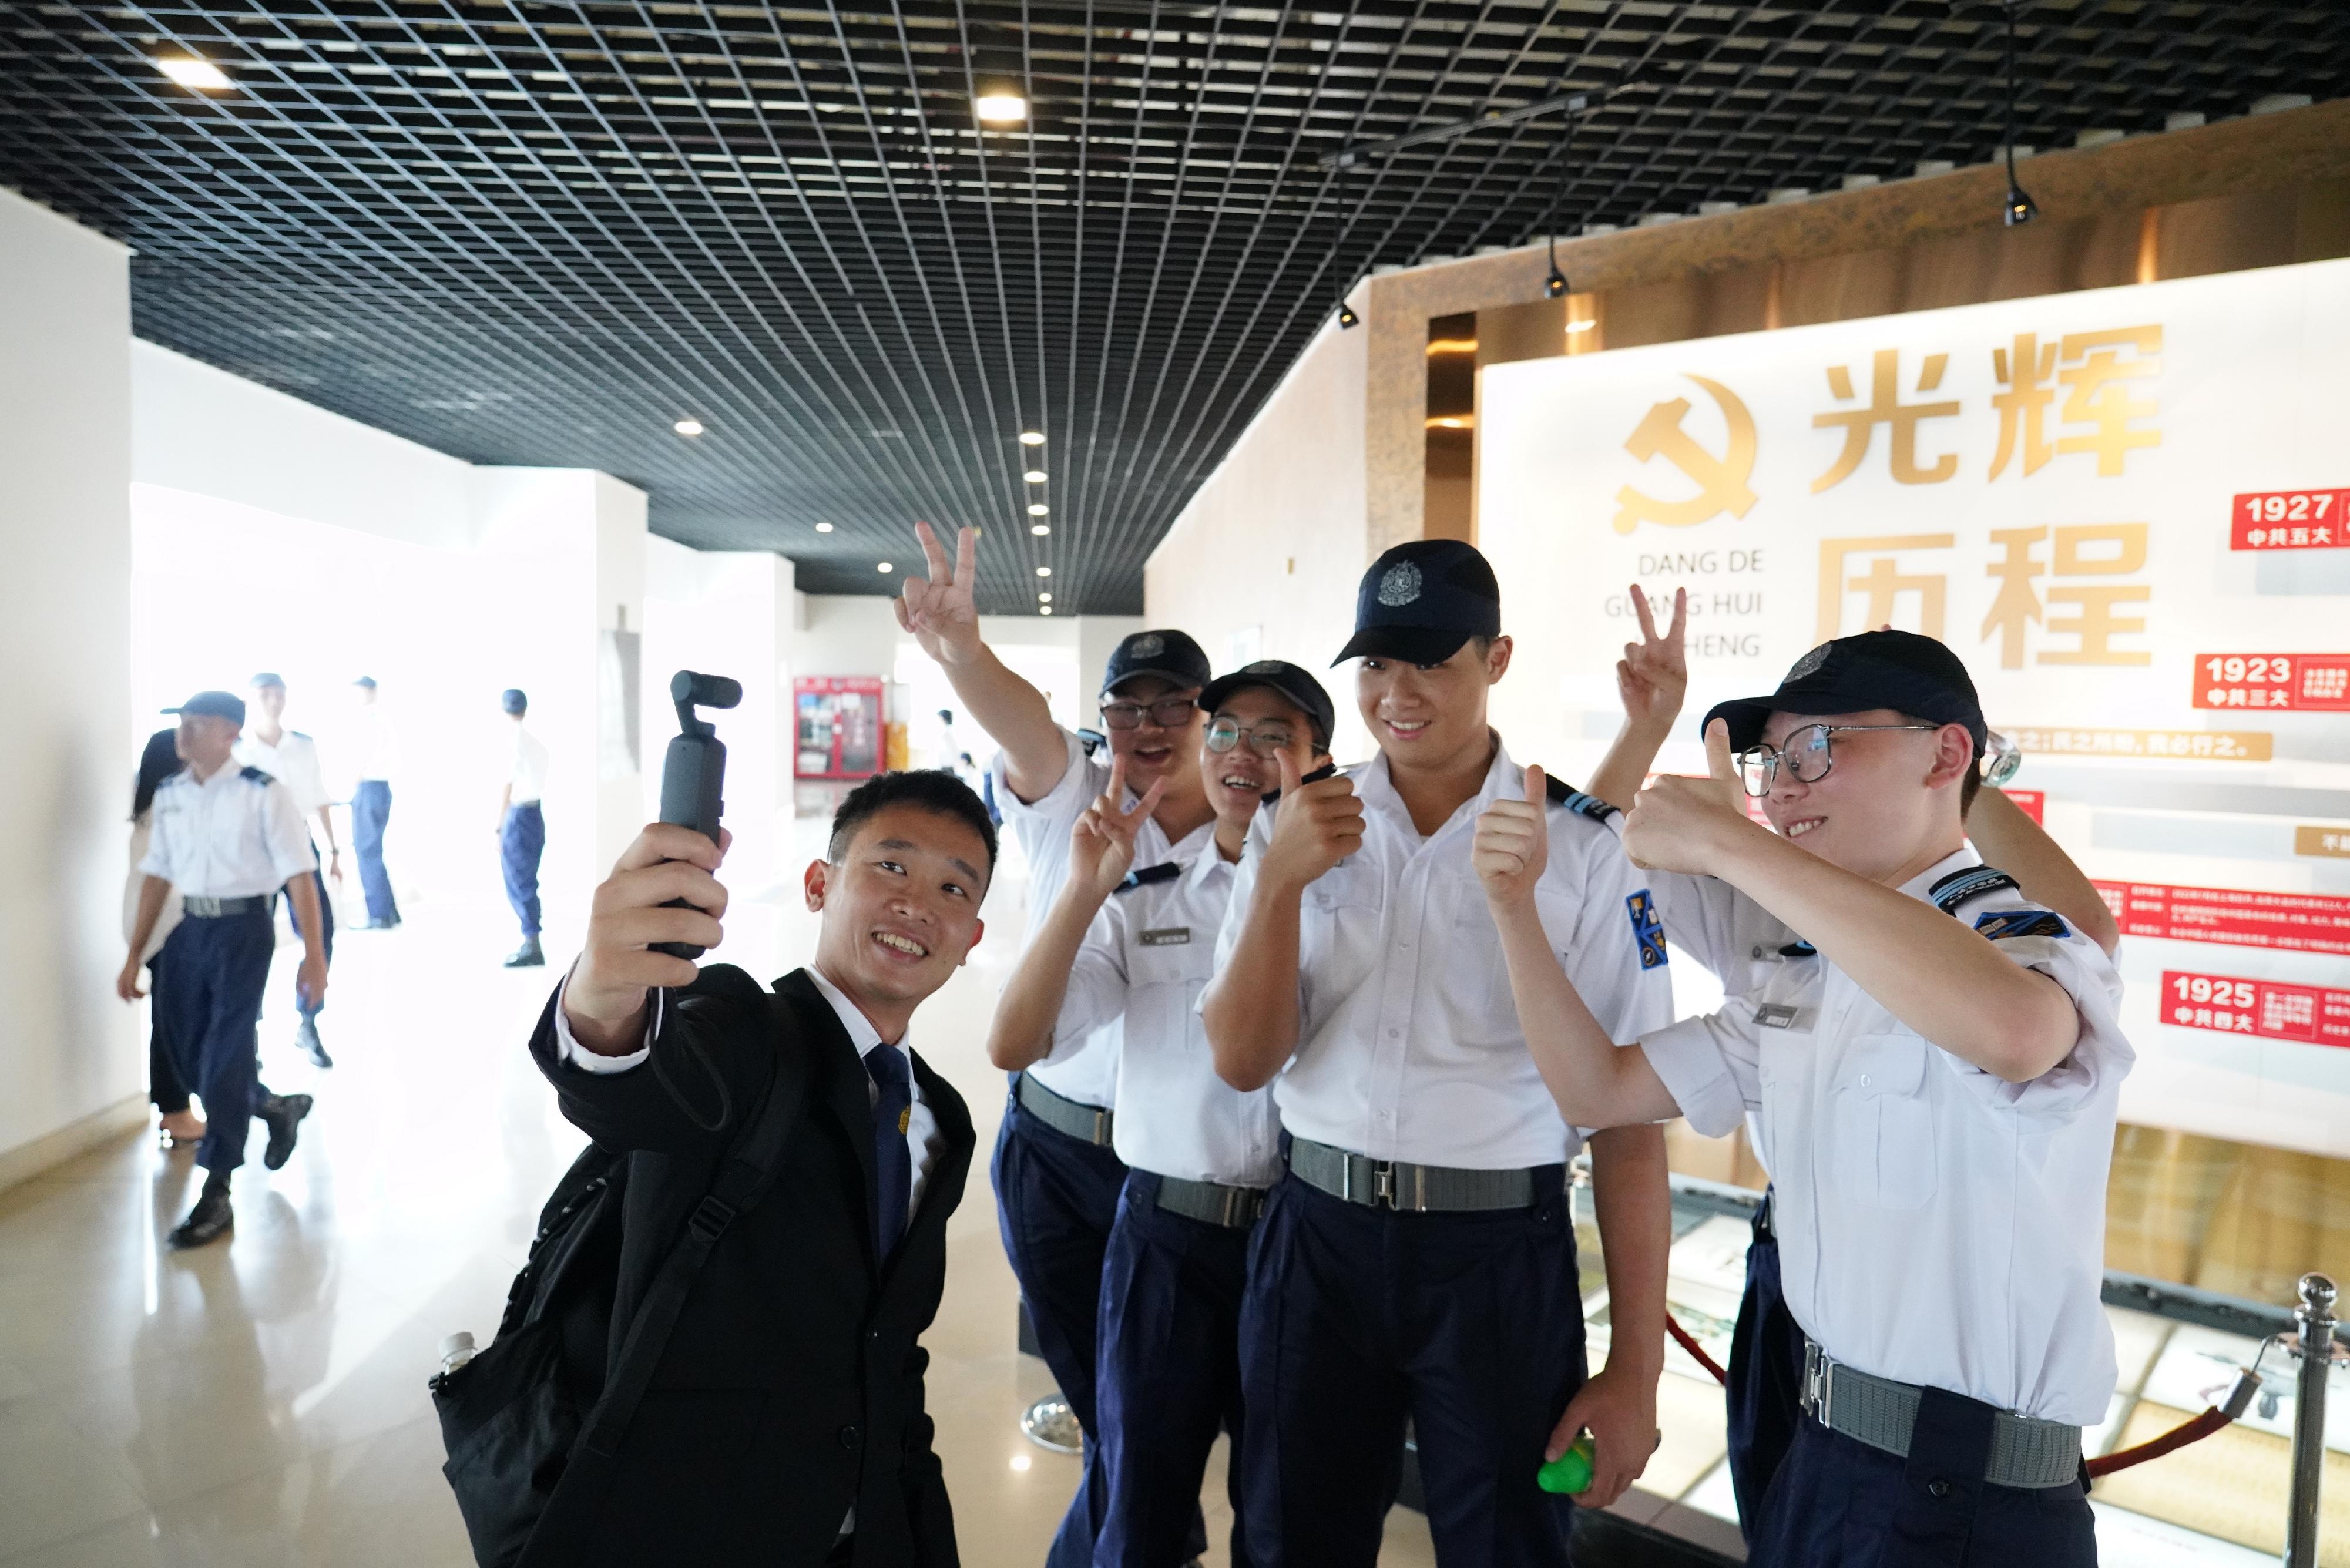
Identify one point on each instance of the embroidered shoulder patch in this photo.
(1647, 929)
(2002, 923)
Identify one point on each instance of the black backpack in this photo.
(533, 1422)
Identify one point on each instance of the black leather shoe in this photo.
(530, 955)
(283, 1112)
(306, 1036)
(208, 1221)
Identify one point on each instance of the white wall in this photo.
(69, 1052)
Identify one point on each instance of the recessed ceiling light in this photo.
(1032, 438)
(1038, 509)
(191, 72)
(687, 427)
(1043, 599)
(1046, 610)
(1044, 571)
(1000, 108)
(1040, 529)
(885, 566)
(824, 527)
(1034, 476)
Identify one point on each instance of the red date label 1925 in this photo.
(2271, 1010)
(2286, 683)
(2289, 520)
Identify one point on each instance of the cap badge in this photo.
(1263, 667)
(1809, 665)
(1399, 584)
(1150, 645)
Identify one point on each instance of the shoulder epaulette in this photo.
(1799, 949)
(1090, 741)
(1973, 882)
(1563, 794)
(1165, 871)
(256, 777)
(297, 734)
(1327, 770)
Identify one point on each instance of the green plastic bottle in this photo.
(1571, 1472)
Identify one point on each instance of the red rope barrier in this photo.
(2192, 1430)
(1681, 1337)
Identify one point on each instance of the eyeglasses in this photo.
(1168, 713)
(1264, 739)
(1807, 755)
(2002, 758)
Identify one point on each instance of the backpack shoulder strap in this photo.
(743, 1182)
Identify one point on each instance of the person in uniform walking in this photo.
(291, 758)
(374, 761)
(1135, 945)
(179, 1124)
(521, 828)
(1737, 940)
(1932, 1023)
(1418, 1261)
(226, 839)
(1055, 1170)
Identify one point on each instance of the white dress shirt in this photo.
(1408, 1043)
(142, 832)
(374, 748)
(292, 762)
(236, 835)
(1937, 1224)
(1149, 955)
(923, 1141)
(1729, 934)
(526, 771)
(1087, 1074)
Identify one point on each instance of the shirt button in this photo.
(1395, 1033)
(848, 1437)
(1864, 1084)
(1938, 1488)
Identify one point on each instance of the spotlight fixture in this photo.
(1040, 529)
(1001, 107)
(191, 72)
(2020, 208)
(1034, 476)
(1032, 438)
(687, 427)
(1555, 282)
(1346, 317)
(885, 566)
(824, 527)
(1038, 509)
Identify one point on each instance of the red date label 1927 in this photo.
(2273, 1010)
(2306, 682)
(2289, 520)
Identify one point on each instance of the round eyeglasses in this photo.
(1807, 757)
(1264, 739)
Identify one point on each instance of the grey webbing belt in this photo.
(1087, 1123)
(1210, 1202)
(197, 907)
(1883, 1414)
(1416, 1189)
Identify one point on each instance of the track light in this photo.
(1346, 317)
(2020, 208)
(1554, 284)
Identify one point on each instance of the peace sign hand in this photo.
(1101, 843)
(939, 609)
(1654, 672)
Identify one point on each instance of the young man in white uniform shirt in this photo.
(1936, 1083)
(521, 828)
(1056, 1170)
(1136, 944)
(1418, 1261)
(291, 758)
(227, 838)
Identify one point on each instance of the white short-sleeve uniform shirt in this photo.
(1408, 1043)
(1937, 1224)
(292, 762)
(236, 835)
(1088, 1074)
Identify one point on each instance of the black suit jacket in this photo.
(791, 1387)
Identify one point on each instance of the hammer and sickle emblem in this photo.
(1722, 481)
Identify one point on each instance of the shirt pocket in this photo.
(1883, 1118)
(1480, 940)
(1171, 955)
(1339, 935)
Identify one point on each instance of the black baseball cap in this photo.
(1171, 654)
(1900, 670)
(218, 704)
(1422, 601)
(1295, 685)
(513, 701)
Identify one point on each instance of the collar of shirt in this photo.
(1921, 886)
(861, 1033)
(1375, 786)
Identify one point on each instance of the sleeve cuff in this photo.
(1688, 1060)
(575, 1054)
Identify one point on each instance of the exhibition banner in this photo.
(2122, 507)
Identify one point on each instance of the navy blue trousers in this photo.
(1055, 1200)
(303, 1004)
(1766, 1378)
(1838, 1503)
(208, 983)
(371, 809)
(1171, 1378)
(1470, 1326)
(521, 841)
(164, 1085)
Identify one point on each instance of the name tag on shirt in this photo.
(1780, 1015)
(1168, 936)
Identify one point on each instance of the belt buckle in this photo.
(1383, 1190)
(1101, 1127)
(1819, 1383)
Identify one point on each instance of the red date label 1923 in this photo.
(2305, 682)
(2289, 520)
(2271, 1010)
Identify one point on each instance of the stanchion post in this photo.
(2315, 1345)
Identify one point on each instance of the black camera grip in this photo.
(693, 774)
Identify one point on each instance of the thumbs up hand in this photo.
(1689, 824)
(1315, 826)
(1512, 846)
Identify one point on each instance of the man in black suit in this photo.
(786, 1423)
